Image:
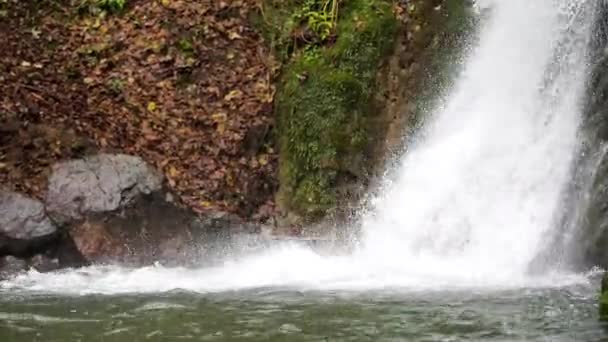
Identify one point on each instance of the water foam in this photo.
(469, 206)
(287, 267)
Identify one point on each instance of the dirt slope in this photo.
(187, 85)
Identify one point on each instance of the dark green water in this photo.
(558, 314)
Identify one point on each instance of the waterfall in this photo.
(481, 191)
(473, 201)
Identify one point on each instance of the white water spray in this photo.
(481, 192)
(470, 205)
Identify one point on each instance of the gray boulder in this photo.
(23, 218)
(98, 184)
(115, 209)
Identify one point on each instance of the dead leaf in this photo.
(234, 35)
(263, 159)
(235, 94)
(151, 106)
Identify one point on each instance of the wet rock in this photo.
(24, 225)
(148, 230)
(588, 197)
(152, 230)
(43, 263)
(98, 184)
(116, 210)
(95, 243)
(603, 307)
(174, 251)
(10, 265)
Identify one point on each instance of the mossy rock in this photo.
(603, 307)
(327, 115)
(323, 104)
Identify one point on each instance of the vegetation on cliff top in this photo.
(332, 55)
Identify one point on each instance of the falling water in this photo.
(481, 192)
(470, 204)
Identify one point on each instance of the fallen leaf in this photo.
(173, 173)
(263, 159)
(235, 94)
(234, 35)
(151, 106)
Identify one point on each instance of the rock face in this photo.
(98, 184)
(110, 209)
(43, 263)
(24, 224)
(590, 193)
(116, 210)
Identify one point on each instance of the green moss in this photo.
(112, 5)
(276, 24)
(323, 102)
(98, 7)
(603, 307)
(185, 46)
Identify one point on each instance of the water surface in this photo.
(288, 314)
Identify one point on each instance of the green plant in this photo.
(112, 5)
(116, 85)
(323, 22)
(185, 46)
(3, 8)
(320, 16)
(100, 6)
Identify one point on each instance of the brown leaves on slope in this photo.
(184, 84)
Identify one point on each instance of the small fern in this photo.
(320, 16)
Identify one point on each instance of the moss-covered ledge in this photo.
(323, 99)
(603, 305)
